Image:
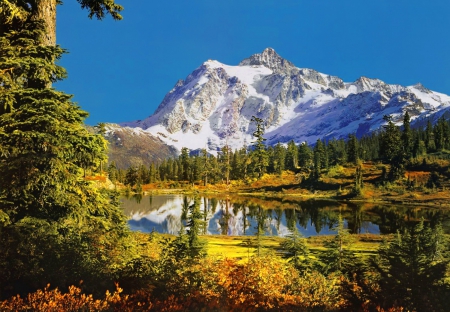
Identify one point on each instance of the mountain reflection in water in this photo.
(237, 216)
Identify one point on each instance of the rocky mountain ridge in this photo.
(213, 106)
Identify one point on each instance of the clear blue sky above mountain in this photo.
(120, 70)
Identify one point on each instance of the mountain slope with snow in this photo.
(213, 106)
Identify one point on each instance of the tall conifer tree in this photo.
(50, 217)
(260, 156)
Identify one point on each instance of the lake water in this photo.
(238, 216)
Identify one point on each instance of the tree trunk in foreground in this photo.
(45, 10)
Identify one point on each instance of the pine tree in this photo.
(391, 149)
(407, 135)
(185, 164)
(296, 250)
(357, 189)
(113, 173)
(320, 161)
(279, 157)
(259, 155)
(352, 149)
(291, 156)
(50, 216)
(304, 155)
(411, 267)
(429, 138)
(225, 162)
(236, 168)
(338, 257)
(441, 134)
(205, 166)
(131, 176)
(196, 226)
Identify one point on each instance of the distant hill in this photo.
(133, 147)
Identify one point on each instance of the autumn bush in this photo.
(263, 283)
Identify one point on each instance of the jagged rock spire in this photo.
(270, 59)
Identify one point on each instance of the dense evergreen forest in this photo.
(57, 229)
(398, 147)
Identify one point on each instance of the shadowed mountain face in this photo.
(213, 106)
(129, 147)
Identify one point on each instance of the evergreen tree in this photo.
(429, 138)
(225, 162)
(391, 149)
(291, 156)
(441, 134)
(357, 190)
(304, 155)
(411, 267)
(352, 149)
(14, 13)
(143, 174)
(236, 167)
(185, 164)
(205, 166)
(51, 217)
(338, 257)
(320, 161)
(407, 135)
(132, 176)
(113, 173)
(196, 226)
(259, 155)
(279, 157)
(419, 147)
(296, 250)
(152, 173)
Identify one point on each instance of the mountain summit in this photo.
(213, 106)
(270, 59)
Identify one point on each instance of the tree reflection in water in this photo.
(238, 215)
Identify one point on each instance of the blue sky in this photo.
(120, 70)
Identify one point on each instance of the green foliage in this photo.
(279, 159)
(392, 149)
(407, 136)
(259, 155)
(353, 149)
(320, 159)
(296, 250)
(305, 155)
(335, 171)
(292, 156)
(357, 188)
(206, 166)
(338, 257)
(411, 269)
(56, 227)
(196, 226)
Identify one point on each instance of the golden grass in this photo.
(242, 247)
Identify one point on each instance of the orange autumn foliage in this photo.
(264, 283)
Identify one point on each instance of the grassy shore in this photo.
(243, 247)
(336, 183)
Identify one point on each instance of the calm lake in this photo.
(237, 216)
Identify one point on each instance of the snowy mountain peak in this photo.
(421, 88)
(270, 59)
(368, 84)
(213, 106)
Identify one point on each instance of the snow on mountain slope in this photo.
(213, 106)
